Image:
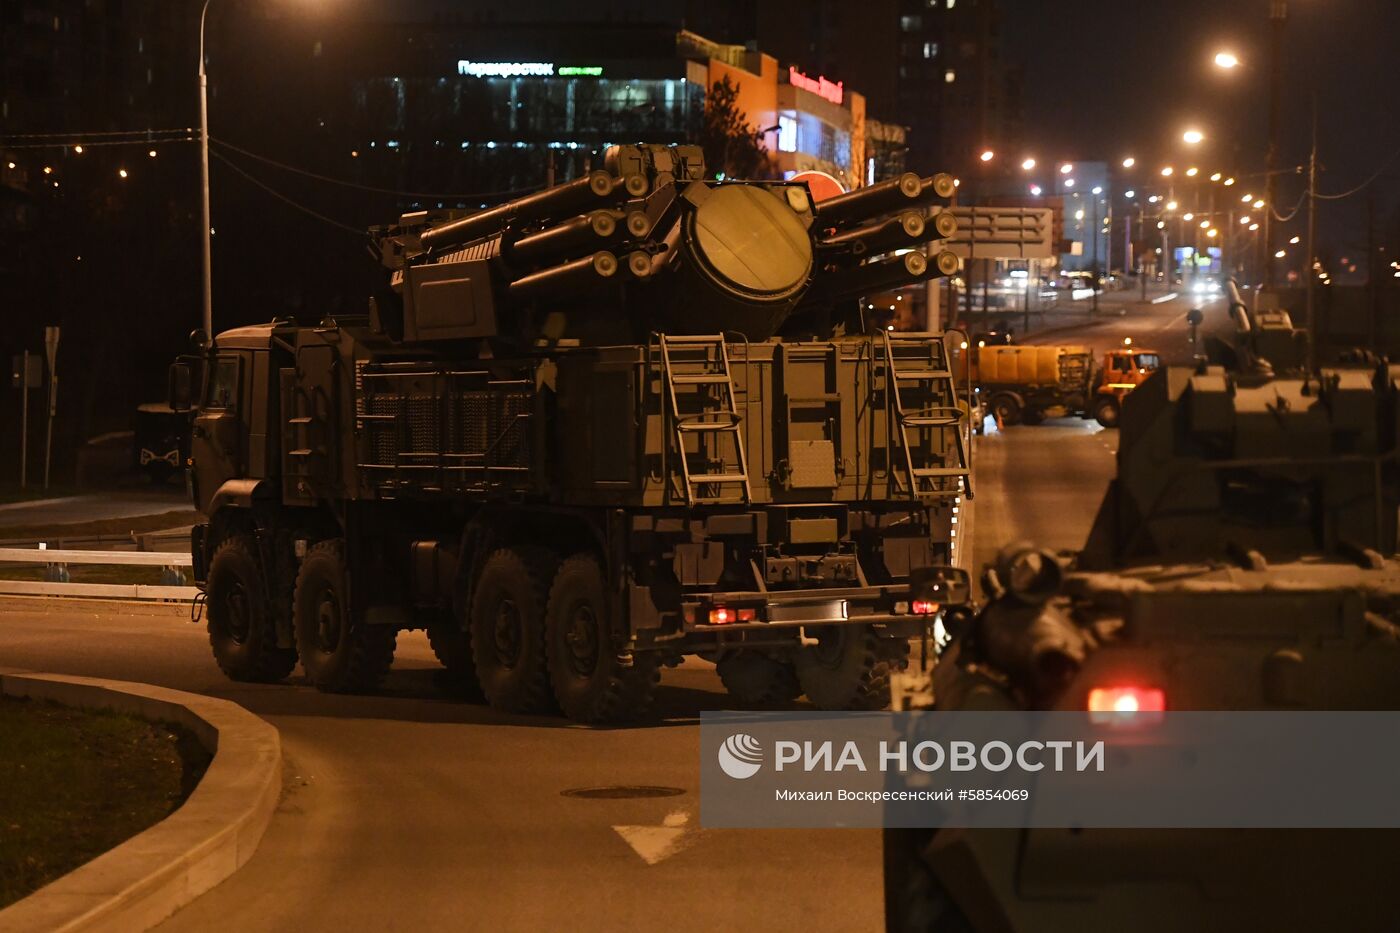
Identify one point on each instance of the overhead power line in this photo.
(1364, 185)
(95, 143)
(81, 137)
(477, 196)
(358, 231)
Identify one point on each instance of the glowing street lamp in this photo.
(1227, 60)
(1192, 172)
(1028, 164)
(1035, 190)
(987, 155)
(1215, 177)
(1205, 225)
(1171, 205)
(1212, 233)
(1167, 171)
(1188, 217)
(1296, 240)
(1129, 162)
(1259, 204)
(1066, 168)
(1193, 137)
(1281, 254)
(1229, 181)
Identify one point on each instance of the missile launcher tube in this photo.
(595, 190)
(566, 281)
(905, 230)
(908, 190)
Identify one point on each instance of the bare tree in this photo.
(731, 146)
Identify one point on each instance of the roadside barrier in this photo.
(172, 587)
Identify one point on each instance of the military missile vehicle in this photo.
(1244, 558)
(585, 433)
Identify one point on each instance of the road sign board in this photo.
(1003, 233)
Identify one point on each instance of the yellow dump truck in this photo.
(1025, 384)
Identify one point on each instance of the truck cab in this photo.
(1123, 370)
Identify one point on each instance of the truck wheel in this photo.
(847, 669)
(915, 899)
(591, 681)
(753, 678)
(242, 632)
(339, 652)
(1106, 412)
(1007, 409)
(507, 628)
(452, 646)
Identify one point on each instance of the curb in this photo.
(153, 874)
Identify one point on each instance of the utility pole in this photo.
(24, 420)
(1142, 259)
(204, 234)
(1312, 244)
(1094, 262)
(51, 352)
(1278, 17)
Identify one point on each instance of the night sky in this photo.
(1111, 78)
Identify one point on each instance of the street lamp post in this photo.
(205, 234)
(1278, 16)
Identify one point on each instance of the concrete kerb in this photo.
(150, 876)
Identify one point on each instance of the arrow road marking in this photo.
(656, 843)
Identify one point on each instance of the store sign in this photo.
(473, 69)
(829, 90)
(504, 69)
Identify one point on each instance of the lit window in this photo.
(930, 50)
(911, 23)
(950, 76)
(787, 133)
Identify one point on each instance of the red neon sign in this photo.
(830, 90)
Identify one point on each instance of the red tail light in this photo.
(724, 615)
(923, 607)
(1120, 705)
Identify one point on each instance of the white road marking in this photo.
(657, 843)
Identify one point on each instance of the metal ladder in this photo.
(703, 362)
(926, 480)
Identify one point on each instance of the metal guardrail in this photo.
(57, 561)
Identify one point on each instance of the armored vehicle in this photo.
(588, 432)
(1244, 558)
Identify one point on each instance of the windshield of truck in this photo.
(1146, 362)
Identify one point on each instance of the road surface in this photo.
(417, 810)
(67, 510)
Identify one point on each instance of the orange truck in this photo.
(1026, 384)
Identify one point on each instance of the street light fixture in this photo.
(1229, 181)
(1028, 164)
(987, 155)
(1215, 177)
(1171, 205)
(1166, 172)
(1192, 172)
(1212, 233)
(1227, 60)
(1193, 137)
(1066, 168)
(1259, 204)
(1129, 162)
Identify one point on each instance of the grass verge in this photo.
(77, 783)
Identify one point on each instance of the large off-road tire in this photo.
(452, 644)
(1006, 408)
(916, 901)
(753, 678)
(592, 681)
(507, 628)
(849, 668)
(1106, 412)
(340, 652)
(242, 627)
